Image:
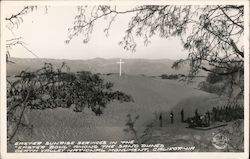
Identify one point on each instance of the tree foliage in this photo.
(49, 88)
(213, 77)
(212, 34)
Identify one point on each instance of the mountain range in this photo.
(148, 67)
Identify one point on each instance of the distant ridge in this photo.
(149, 67)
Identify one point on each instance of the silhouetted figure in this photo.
(208, 118)
(214, 111)
(197, 117)
(182, 115)
(196, 113)
(172, 117)
(31, 130)
(203, 120)
(160, 118)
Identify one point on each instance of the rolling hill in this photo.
(151, 97)
(147, 67)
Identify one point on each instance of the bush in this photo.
(172, 76)
(49, 88)
(214, 78)
(217, 88)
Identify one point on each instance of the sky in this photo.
(45, 33)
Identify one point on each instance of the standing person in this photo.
(172, 117)
(208, 118)
(182, 115)
(196, 115)
(214, 110)
(160, 118)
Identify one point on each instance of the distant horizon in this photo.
(95, 58)
(132, 66)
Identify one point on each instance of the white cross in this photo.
(120, 62)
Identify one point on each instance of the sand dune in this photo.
(151, 95)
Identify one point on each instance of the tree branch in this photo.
(242, 27)
(219, 73)
(20, 118)
(236, 48)
(15, 16)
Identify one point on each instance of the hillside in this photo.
(151, 95)
(99, 65)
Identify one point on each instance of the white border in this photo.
(228, 155)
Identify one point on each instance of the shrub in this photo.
(49, 88)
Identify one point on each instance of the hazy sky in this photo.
(45, 34)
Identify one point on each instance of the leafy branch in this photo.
(50, 88)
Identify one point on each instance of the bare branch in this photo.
(236, 49)
(242, 27)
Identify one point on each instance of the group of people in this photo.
(218, 114)
(200, 119)
(226, 114)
